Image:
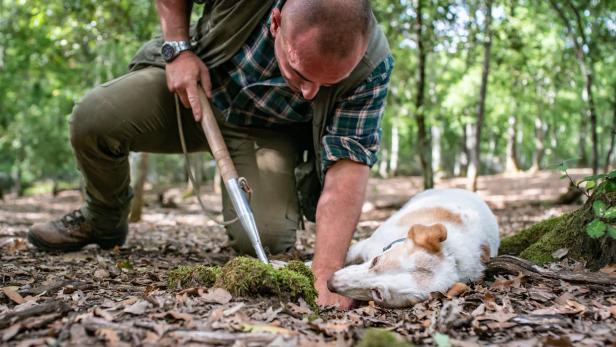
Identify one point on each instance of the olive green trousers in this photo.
(136, 112)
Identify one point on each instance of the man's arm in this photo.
(186, 70)
(338, 212)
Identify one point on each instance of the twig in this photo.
(44, 308)
(51, 288)
(216, 337)
(508, 263)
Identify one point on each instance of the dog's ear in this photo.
(428, 237)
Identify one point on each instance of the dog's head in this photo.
(404, 274)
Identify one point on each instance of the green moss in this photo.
(518, 242)
(538, 242)
(565, 232)
(381, 338)
(245, 276)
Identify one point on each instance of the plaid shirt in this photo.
(250, 91)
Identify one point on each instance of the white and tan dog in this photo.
(438, 238)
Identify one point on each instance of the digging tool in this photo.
(237, 187)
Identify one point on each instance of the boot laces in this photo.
(74, 218)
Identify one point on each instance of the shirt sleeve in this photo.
(354, 130)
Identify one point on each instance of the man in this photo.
(285, 79)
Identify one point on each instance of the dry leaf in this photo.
(498, 316)
(101, 274)
(217, 296)
(457, 289)
(233, 309)
(151, 338)
(216, 315)
(266, 328)
(103, 314)
(110, 336)
(609, 269)
(560, 253)
(12, 294)
(11, 331)
(334, 327)
(298, 310)
(173, 314)
(13, 245)
(138, 308)
(480, 310)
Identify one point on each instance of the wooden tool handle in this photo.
(215, 140)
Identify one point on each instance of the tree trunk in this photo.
(512, 164)
(395, 149)
(582, 54)
(464, 151)
(437, 162)
(423, 136)
(610, 151)
(475, 151)
(383, 164)
(538, 242)
(137, 203)
(539, 144)
(582, 136)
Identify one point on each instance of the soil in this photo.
(119, 297)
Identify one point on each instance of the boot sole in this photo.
(103, 244)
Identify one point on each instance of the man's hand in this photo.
(184, 74)
(338, 211)
(186, 70)
(327, 298)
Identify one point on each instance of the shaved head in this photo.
(340, 24)
(319, 42)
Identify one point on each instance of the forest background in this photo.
(479, 87)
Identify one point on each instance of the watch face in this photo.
(167, 51)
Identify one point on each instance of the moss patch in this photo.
(539, 241)
(517, 243)
(380, 337)
(245, 276)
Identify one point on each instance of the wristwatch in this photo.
(171, 49)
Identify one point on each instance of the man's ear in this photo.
(276, 20)
(428, 237)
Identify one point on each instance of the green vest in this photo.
(221, 31)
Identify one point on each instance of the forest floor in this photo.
(119, 297)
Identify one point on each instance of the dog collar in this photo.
(391, 244)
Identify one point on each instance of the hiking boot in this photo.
(72, 232)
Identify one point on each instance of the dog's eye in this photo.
(374, 261)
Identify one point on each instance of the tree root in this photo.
(511, 264)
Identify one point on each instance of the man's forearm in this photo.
(173, 19)
(338, 212)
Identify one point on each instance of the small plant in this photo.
(604, 221)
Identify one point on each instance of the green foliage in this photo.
(596, 229)
(244, 276)
(604, 215)
(53, 52)
(588, 233)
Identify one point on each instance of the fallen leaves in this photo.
(138, 308)
(11, 293)
(119, 297)
(216, 296)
